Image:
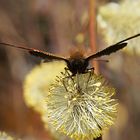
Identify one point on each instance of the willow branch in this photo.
(92, 30)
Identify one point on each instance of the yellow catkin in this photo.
(81, 106)
(5, 136)
(117, 21)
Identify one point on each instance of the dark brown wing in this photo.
(107, 51)
(112, 48)
(38, 53)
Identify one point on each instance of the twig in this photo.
(92, 30)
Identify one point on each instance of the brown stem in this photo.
(92, 30)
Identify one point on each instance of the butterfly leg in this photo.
(89, 70)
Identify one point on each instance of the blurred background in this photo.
(58, 26)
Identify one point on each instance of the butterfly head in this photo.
(77, 63)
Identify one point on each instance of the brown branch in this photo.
(92, 30)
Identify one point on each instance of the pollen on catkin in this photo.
(36, 88)
(37, 83)
(4, 136)
(120, 23)
(81, 106)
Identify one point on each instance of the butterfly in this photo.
(77, 62)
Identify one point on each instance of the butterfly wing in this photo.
(107, 51)
(112, 48)
(38, 53)
(46, 56)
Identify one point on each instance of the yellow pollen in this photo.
(74, 99)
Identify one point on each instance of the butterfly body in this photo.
(77, 65)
